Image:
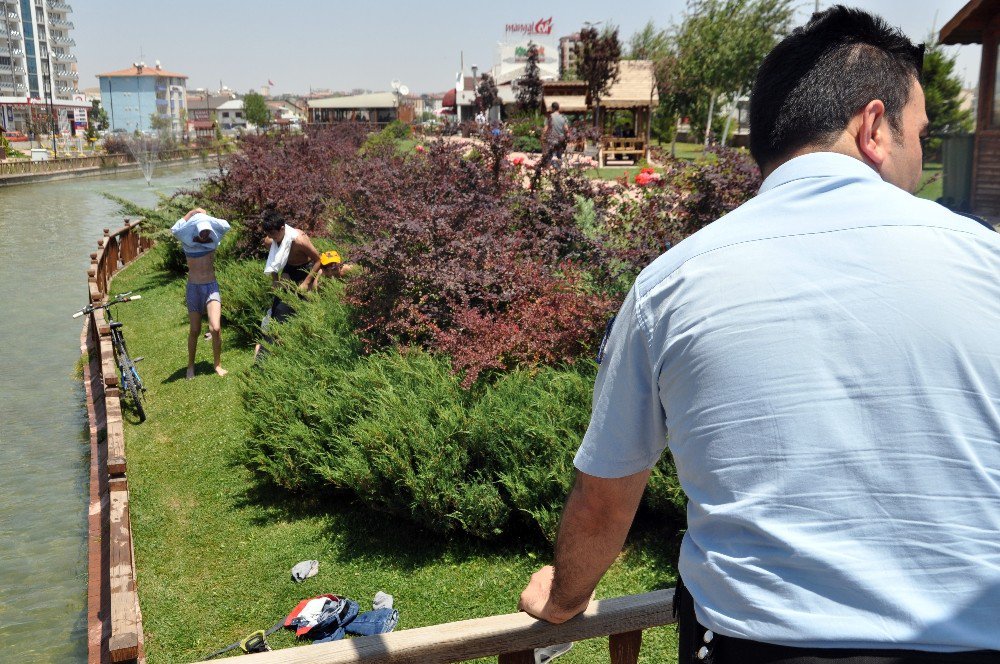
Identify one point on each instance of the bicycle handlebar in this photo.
(121, 297)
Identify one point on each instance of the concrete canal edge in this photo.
(88, 167)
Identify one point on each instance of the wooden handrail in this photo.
(512, 637)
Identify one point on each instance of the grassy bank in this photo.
(214, 547)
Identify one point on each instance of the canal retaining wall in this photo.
(29, 172)
(114, 620)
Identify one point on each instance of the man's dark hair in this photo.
(271, 220)
(812, 83)
(555, 106)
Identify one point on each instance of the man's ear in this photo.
(874, 132)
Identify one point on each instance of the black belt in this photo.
(698, 645)
(730, 650)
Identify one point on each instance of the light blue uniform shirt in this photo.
(826, 360)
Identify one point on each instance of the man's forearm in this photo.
(596, 521)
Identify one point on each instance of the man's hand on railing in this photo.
(595, 521)
(537, 601)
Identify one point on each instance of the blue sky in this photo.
(365, 44)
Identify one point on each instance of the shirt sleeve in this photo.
(628, 428)
(220, 226)
(179, 227)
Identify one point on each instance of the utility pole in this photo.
(53, 122)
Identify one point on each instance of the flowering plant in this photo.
(647, 176)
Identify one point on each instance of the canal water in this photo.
(47, 232)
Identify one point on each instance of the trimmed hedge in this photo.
(397, 431)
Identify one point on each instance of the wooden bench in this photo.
(613, 148)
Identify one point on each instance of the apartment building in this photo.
(37, 65)
(567, 55)
(133, 96)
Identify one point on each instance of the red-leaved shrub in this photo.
(456, 251)
(554, 322)
(293, 173)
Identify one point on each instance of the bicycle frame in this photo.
(129, 381)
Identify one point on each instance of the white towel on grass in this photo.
(278, 256)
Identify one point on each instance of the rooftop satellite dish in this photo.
(403, 90)
(395, 84)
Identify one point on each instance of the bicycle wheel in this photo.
(129, 375)
(133, 389)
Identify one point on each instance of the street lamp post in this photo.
(138, 93)
(53, 123)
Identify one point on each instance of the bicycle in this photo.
(131, 383)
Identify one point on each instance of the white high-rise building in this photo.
(36, 50)
(37, 65)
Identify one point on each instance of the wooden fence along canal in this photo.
(114, 621)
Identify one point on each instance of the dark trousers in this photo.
(721, 649)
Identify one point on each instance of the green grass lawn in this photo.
(214, 547)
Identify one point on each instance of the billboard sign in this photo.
(80, 119)
(513, 56)
(539, 27)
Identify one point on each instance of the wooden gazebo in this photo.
(635, 91)
(978, 22)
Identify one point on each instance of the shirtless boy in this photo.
(300, 266)
(199, 235)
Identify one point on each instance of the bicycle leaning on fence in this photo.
(131, 383)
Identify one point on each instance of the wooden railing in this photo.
(27, 167)
(512, 638)
(114, 622)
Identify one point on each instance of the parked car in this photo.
(16, 137)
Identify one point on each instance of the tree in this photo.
(38, 121)
(161, 124)
(648, 44)
(487, 95)
(718, 47)
(256, 111)
(597, 56)
(943, 90)
(98, 116)
(529, 86)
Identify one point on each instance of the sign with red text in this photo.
(539, 27)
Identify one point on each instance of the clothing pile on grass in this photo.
(329, 617)
(323, 618)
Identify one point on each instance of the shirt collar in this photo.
(817, 165)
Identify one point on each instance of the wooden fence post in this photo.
(624, 648)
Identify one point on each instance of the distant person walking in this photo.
(556, 133)
(199, 235)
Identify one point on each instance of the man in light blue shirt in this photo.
(826, 361)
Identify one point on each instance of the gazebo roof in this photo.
(968, 25)
(635, 88)
(365, 101)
